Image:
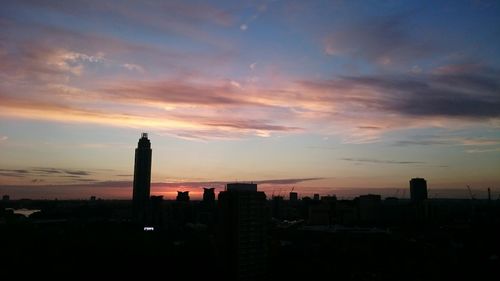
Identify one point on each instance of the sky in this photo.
(330, 97)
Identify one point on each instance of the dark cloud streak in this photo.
(44, 172)
(470, 95)
(378, 161)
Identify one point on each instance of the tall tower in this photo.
(418, 189)
(142, 178)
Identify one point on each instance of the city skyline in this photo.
(280, 93)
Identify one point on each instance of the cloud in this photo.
(44, 172)
(235, 84)
(287, 181)
(450, 140)
(60, 171)
(77, 173)
(382, 40)
(86, 180)
(378, 161)
(421, 142)
(133, 67)
(45, 81)
(193, 184)
(468, 95)
(172, 17)
(258, 10)
(360, 108)
(177, 92)
(43, 63)
(48, 170)
(483, 150)
(16, 173)
(3, 138)
(370, 128)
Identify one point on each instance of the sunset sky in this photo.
(335, 97)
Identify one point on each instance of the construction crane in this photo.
(470, 193)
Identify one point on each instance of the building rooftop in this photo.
(239, 186)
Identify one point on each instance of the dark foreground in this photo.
(97, 240)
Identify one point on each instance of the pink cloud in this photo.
(46, 80)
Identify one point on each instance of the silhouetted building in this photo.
(319, 214)
(182, 196)
(208, 195)
(5, 198)
(329, 198)
(242, 231)
(92, 198)
(239, 186)
(278, 207)
(157, 216)
(316, 196)
(346, 212)
(294, 196)
(142, 178)
(418, 189)
(369, 207)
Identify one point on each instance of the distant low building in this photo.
(182, 196)
(5, 198)
(329, 198)
(294, 196)
(208, 195)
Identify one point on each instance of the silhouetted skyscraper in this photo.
(242, 231)
(294, 196)
(316, 196)
(208, 195)
(418, 189)
(142, 178)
